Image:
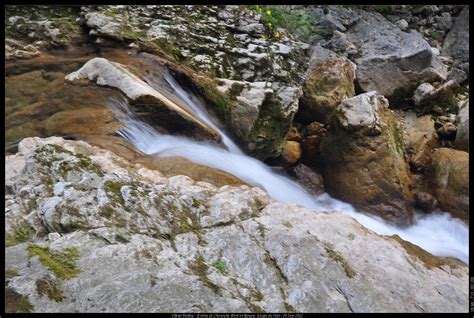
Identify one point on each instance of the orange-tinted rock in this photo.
(291, 152)
(449, 177)
(365, 160)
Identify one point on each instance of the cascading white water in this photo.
(439, 233)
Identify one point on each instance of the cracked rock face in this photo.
(131, 240)
(390, 61)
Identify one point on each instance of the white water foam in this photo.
(438, 233)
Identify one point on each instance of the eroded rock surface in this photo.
(365, 159)
(200, 248)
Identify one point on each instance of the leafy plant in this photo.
(383, 8)
(21, 234)
(297, 21)
(220, 265)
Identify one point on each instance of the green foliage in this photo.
(22, 234)
(298, 22)
(62, 264)
(10, 273)
(220, 265)
(383, 8)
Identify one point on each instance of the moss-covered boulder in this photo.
(449, 177)
(261, 114)
(329, 80)
(365, 159)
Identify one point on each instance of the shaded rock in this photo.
(261, 114)
(449, 176)
(310, 146)
(446, 131)
(440, 100)
(294, 134)
(310, 179)
(425, 201)
(313, 133)
(291, 152)
(365, 159)
(315, 128)
(390, 61)
(456, 42)
(329, 80)
(462, 125)
(148, 102)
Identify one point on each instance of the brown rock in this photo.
(425, 201)
(171, 166)
(310, 147)
(294, 135)
(315, 128)
(419, 137)
(365, 162)
(291, 152)
(310, 179)
(327, 84)
(449, 177)
(447, 131)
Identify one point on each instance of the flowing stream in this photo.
(438, 233)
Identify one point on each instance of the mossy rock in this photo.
(62, 264)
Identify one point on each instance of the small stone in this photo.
(53, 236)
(402, 24)
(291, 152)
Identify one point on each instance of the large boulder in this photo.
(456, 42)
(390, 61)
(152, 105)
(177, 245)
(329, 80)
(462, 124)
(449, 177)
(261, 114)
(365, 159)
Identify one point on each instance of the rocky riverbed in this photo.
(368, 104)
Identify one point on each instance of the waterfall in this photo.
(438, 233)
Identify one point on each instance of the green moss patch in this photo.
(220, 265)
(429, 260)
(62, 264)
(338, 258)
(10, 273)
(20, 235)
(47, 287)
(200, 269)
